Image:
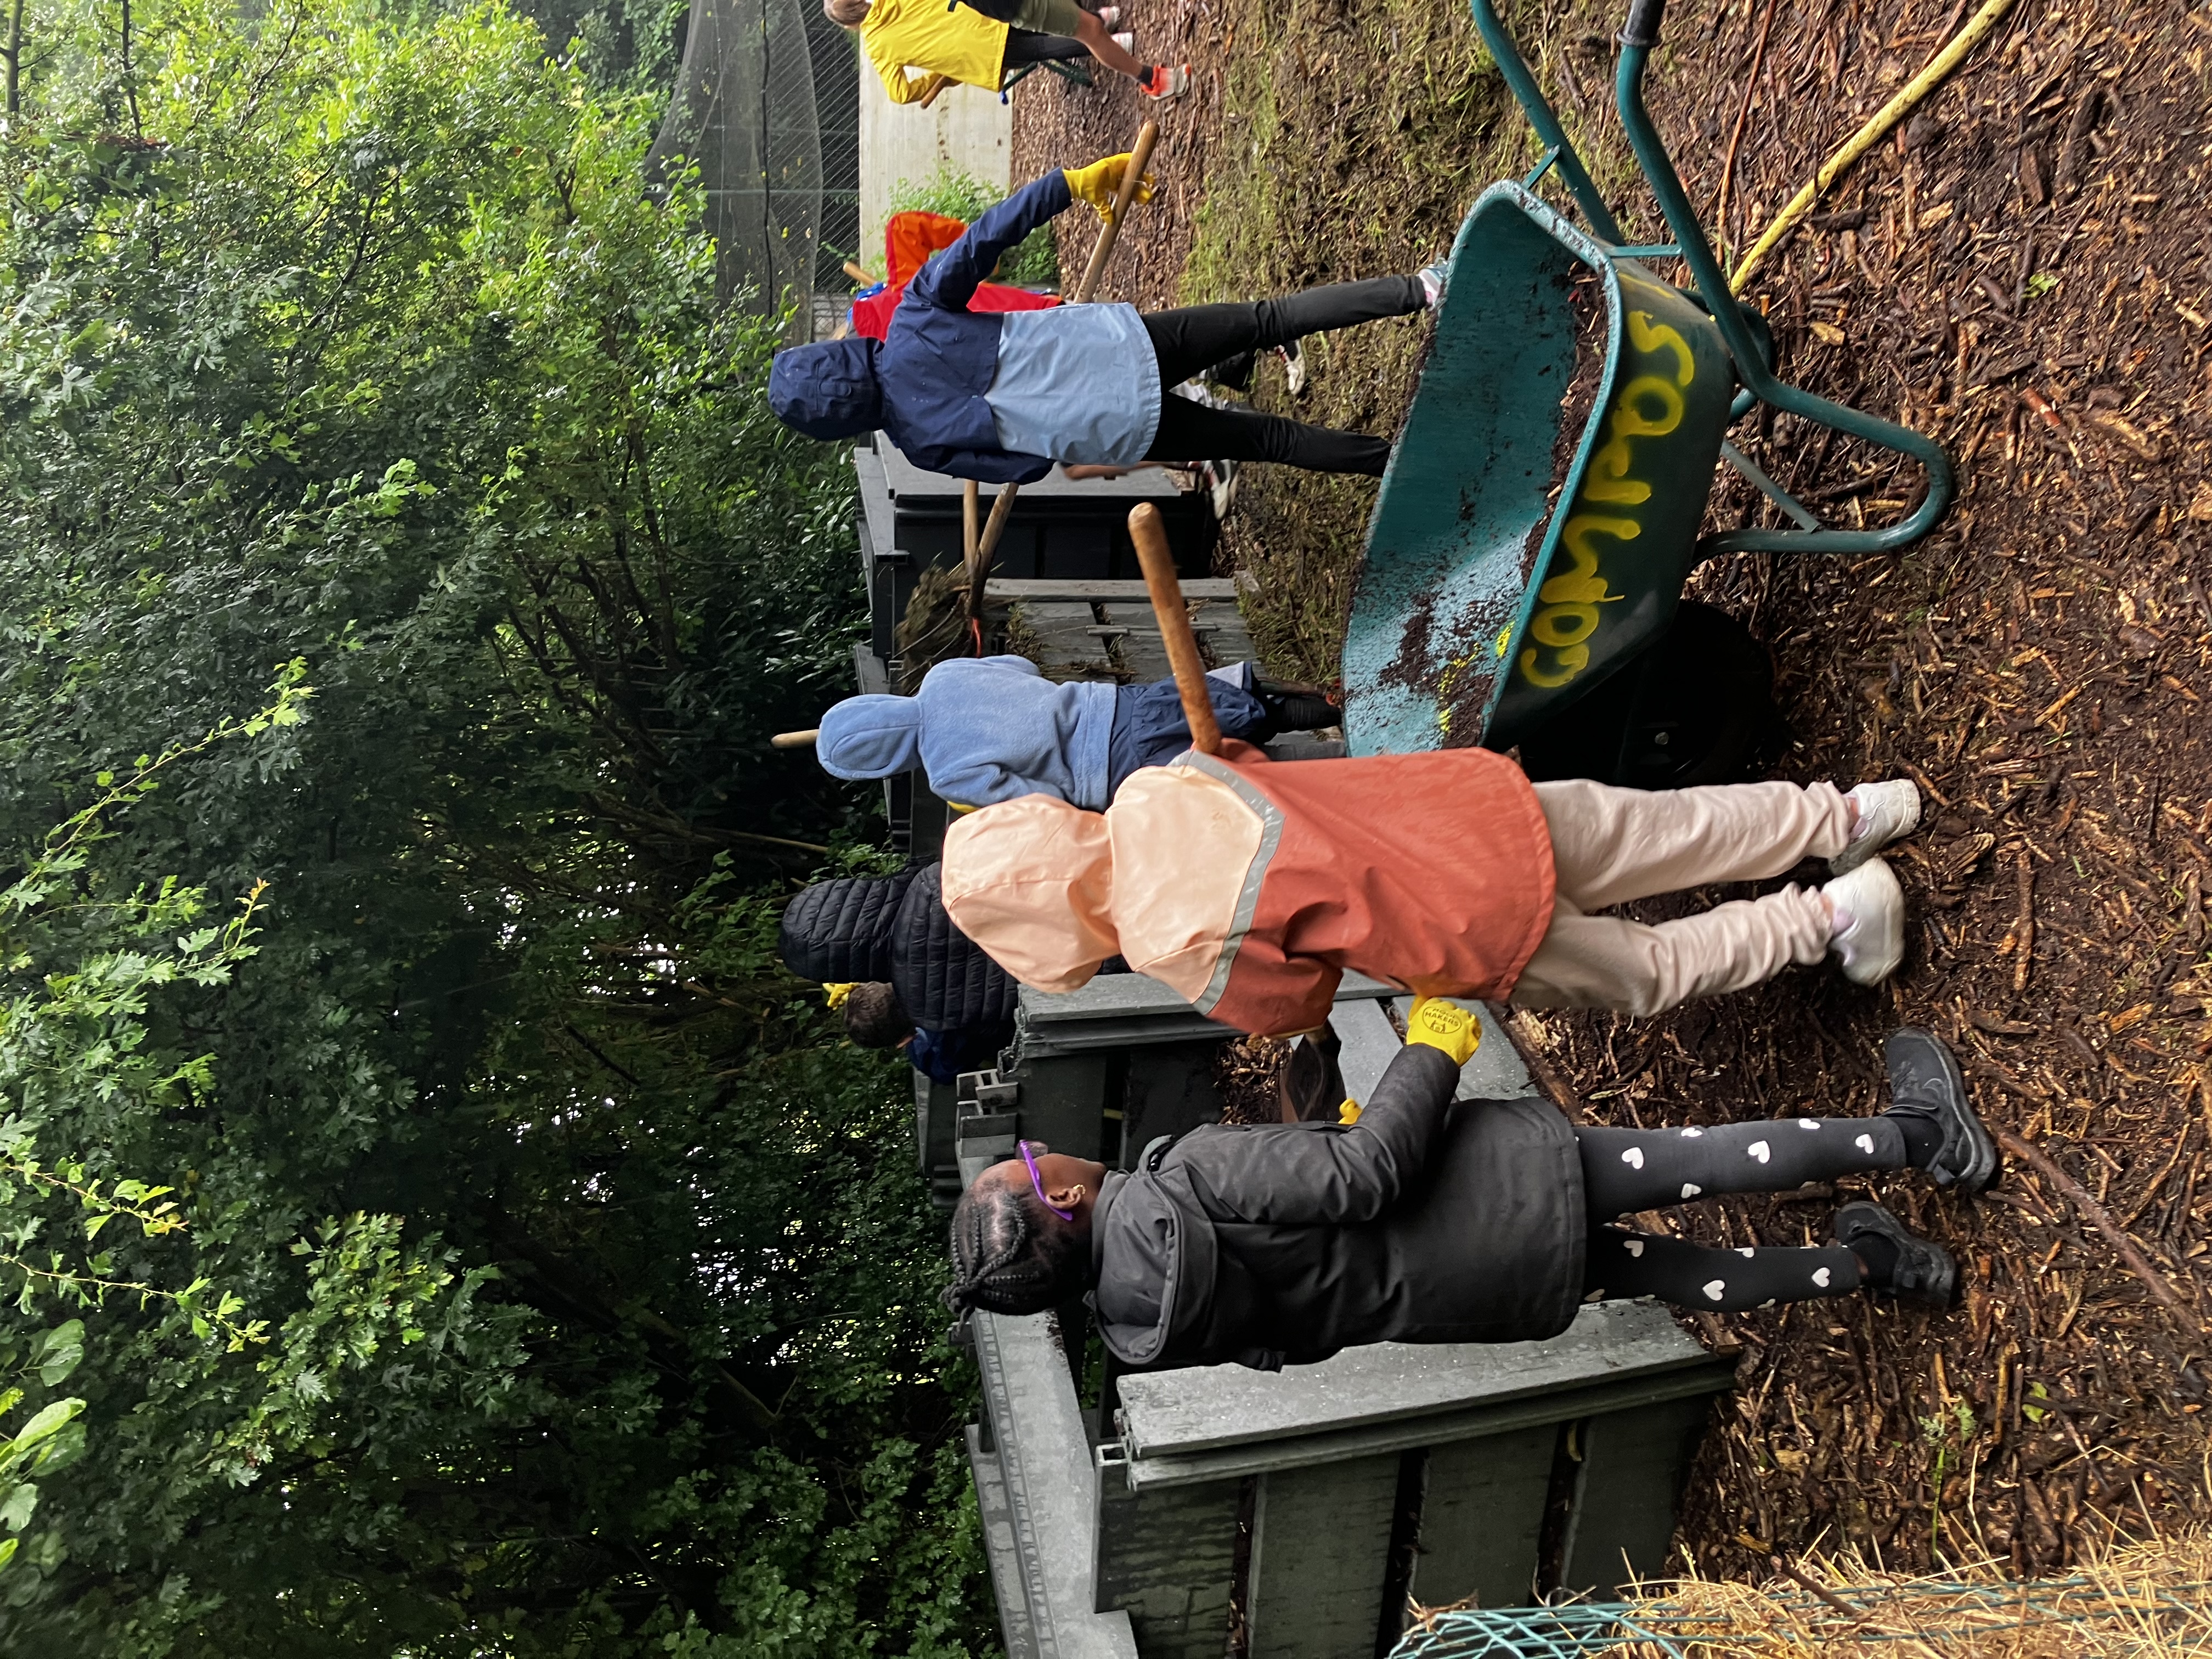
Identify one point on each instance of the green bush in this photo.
(1034, 263)
(507, 1257)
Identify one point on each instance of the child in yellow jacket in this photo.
(910, 41)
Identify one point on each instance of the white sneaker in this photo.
(1220, 480)
(1127, 42)
(1294, 367)
(1434, 280)
(1868, 934)
(1110, 16)
(1888, 811)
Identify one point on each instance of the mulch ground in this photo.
(2022, 271)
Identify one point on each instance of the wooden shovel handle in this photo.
(795, 739)
(1140, 157)
(1147, 530)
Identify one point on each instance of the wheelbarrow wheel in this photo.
(1696, 707)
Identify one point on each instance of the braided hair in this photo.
(1008, 1256)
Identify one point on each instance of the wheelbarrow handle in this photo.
(1642, 28)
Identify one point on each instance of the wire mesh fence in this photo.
(837, 117)
(745, 110)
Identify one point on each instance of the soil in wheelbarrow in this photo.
(1420, 667)
(1586, 302)
(2019, 268)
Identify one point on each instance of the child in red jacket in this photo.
(1251, 887)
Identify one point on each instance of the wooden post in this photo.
(795, 739)
(1151, 537)
(979, 553)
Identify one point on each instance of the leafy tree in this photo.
(561, 1286)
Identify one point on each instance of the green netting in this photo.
(1917, 1612)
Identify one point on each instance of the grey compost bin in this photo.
(1300, 1508)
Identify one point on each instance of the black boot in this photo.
(1908, 1268)
(1295, 707)
(1942, 1134)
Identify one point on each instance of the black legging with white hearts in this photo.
(1625, 1170)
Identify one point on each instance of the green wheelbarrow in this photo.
(1514, 566)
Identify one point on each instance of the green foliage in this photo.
(477, 1238)
(51, 1440)
(1034, 263)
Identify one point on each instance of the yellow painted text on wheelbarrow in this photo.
(1648, 406)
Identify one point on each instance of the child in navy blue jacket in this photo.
(1001, 396)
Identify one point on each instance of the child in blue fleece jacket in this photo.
(1001, 396)
(988, 729)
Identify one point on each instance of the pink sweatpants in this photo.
(1610, 846)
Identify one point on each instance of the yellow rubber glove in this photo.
(1100, 182)
(1445, 1026)
(838, 991)
(1348, 1113)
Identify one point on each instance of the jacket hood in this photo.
(870, 736)
(844, 929)
(1031, 881)
(828, 389)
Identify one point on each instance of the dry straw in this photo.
(2147, 1601)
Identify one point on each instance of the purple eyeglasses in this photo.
(1036, 1181)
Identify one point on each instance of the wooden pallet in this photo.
(1105, 630)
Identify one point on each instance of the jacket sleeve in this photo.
(950, 280)
(1301, 1175)
(985, 783)
(980, 779)
(984, 465)
(903, 89)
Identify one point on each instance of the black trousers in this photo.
(1191, 339)
(1630, 1170)
(1023, 47)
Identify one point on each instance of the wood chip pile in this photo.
(2021, 269)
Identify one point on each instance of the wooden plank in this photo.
(1321, 1546)
(1008, 590)
(1221, 632)
(1141, 653)
(1481, 1517)
(1064, 642)
(1168, 1560)
(1633, 1464)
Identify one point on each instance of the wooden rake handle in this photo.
(1151, 535)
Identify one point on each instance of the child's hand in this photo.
(1099, 183)
(1445, 1026)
